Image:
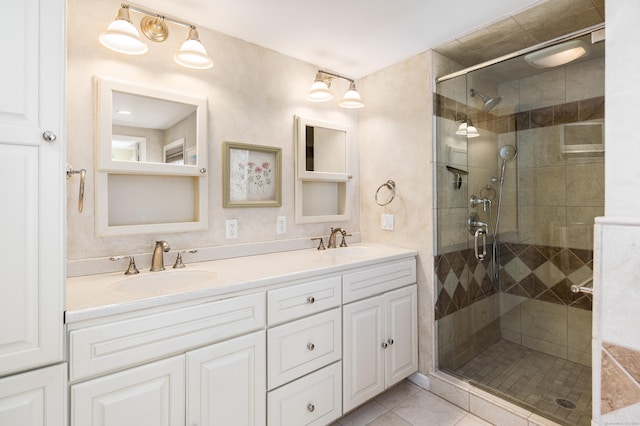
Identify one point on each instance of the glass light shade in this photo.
(122, 37)
(472, 132)
(352, 98)
(467, 130)
(462, 129)
(319, 92)
(192, 54)
(559, 54)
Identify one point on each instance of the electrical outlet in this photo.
(232, 228)
(281, 225)
(387, 222)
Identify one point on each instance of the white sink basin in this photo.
(165, 282)
(352, 251)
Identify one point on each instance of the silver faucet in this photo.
(157, 260)
(332, 237)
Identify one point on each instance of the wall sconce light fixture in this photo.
(319, 91)
(466, 128)
(123, 37)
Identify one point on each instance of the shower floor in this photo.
(535, 378)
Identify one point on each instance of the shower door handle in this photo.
(480, 231)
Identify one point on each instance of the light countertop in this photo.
(97, 296)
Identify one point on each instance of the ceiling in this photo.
(353, 37)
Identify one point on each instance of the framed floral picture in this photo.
(251, 175)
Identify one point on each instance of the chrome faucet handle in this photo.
(344, 242)
(131, 269)
(321, 245)
(179, 264)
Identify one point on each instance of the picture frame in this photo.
(251, 175)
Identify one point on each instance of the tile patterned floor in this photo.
(535, 378)
(409, 405)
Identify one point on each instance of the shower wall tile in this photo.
(579, 330)
(542, 117)
(565, 113)
(542, 90)
(556, 349)
(591, 109)
(550, 186)
(619, 389)
(546, 322)
(585, 80)
(585, 185)
(550, 226)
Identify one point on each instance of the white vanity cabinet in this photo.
(226, 383)
(201, 364)
(32, 140)
(304, 352)
(32, 190)
(292, 350)
(148, 395)
(34, 398)
(380, 331)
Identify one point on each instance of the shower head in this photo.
(508, 152)
(487, 103)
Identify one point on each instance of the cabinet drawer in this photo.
(303, 346)
(312, 400)
(378, 279)
(99, 349)
(301, 300)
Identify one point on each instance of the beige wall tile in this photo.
(546, 322)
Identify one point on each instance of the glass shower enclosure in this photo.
(519, 159)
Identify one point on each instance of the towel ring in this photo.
(391, 186)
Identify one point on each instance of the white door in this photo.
(36, 398)
(363, 358)
(402, 334)
(227, 383)
(149, 395)
(32, 190)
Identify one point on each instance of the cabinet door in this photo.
(149, 395)
(36, 398)
(363, 358)
(401, 355)
(227, 383)
(32, 176)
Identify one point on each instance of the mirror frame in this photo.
(104, 89)
(303, 173)
(105, 166)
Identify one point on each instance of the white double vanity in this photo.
(291, 338)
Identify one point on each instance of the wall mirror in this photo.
(151, 162)
(322, 150)
(142, 129)
(323, 171)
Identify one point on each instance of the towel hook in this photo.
(391, 186)
(82, 173)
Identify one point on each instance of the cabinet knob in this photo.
(384, 345)
(311, 299)
(203, 170)
(49, 136)
(311, 346)
(311, 407)
(390, 341)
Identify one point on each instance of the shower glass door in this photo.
(519, 155)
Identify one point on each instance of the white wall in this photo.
(253, 94)
(395, 141)
(616, 345)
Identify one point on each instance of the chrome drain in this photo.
(565, 403)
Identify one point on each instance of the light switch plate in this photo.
(281, 225)
(232, 228)
(387, 222)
